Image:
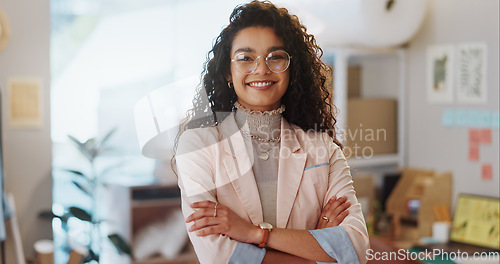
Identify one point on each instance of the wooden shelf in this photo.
(341, 56)
(377, 160)
(154, 202)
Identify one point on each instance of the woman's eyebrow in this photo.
(243, 50)
(275, 48)
(271, 49)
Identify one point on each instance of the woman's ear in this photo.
(229, 81)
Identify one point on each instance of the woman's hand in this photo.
(213, 218)
(334, 212)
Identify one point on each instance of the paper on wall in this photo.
(448, 117)
(485, 136)
(25, 102)
(439, 71)
(474, 136)
(471, 81)
(473, 152)
(486, 171)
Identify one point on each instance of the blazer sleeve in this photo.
(339, 184)
(195, 165)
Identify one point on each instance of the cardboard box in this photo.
(353, 81)
(371, 127)
(364, 184)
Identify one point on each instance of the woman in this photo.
(261, 174)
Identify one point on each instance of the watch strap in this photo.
(265, 237)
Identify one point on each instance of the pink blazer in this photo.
(213, 164)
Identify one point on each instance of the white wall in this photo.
(432, 145)
(27, 152)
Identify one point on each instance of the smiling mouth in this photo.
(260, 84)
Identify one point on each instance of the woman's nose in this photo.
(261, 67)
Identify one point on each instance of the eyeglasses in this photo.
(277, 61)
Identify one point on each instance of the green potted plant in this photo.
(90, 182)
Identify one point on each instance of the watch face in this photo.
(265, 225)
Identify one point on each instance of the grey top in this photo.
(257, 128)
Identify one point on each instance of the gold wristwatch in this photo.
(266, 228)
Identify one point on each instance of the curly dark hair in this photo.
(307, 99)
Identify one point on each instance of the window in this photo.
(105, 56)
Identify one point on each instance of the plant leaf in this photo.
(81, 146)
(77, 173)
(98, 222)
(120, 244)
(91, 149)
(389, 4)
(76, 141)
(82, 188)
(107, 137)
(93, 153)
(90, 257)
(90, 143)
(80, 214)
(48, 215)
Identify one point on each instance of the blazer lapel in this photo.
(239, 169)
(292, 161)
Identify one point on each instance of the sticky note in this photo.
(473, 118)
(474, 136)
(484, 119)
(486, 171)
(448, 118)
(473, 152)
(495, 120)
(461, 118)
(485, 136)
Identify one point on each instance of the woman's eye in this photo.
(244, 58)
(276, 57)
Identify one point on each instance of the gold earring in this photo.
(230, 85)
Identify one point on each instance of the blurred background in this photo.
(82, 81)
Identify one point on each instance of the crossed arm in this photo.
(294, 246)
(197, 155)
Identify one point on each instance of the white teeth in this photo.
(260, 84)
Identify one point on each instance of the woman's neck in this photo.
(265, 124)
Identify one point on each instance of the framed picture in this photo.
(24, 102)
(471, 86)
(440, 67)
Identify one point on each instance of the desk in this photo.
(385, 245)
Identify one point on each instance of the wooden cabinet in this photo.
(131, 208)
(430, 190)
